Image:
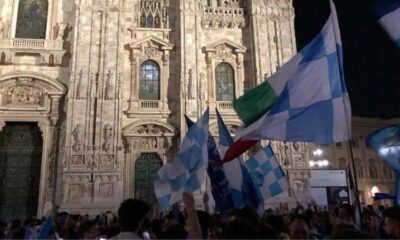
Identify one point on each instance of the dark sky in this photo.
(371, 59)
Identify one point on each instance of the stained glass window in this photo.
(225, 84)
(32, 19)
(149, 81)
(153, 14)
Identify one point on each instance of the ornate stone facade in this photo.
(82, 83)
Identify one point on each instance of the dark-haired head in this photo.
(131, 213)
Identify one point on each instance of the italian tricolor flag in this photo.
(256, 103)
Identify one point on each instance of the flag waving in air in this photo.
(267, 173)
(188, 171)
(219, 183)
(386, 142)
(389, 17)
(305, 100)
(244, 191)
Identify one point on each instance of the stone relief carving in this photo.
(149, 50)
(107, 136)
(222, 51)
(77, 160)
(75, 191)
(109, 91)
(148, 129)
(106, 161)
(298, 160)
(106, 190)
(224, 14)
(149, 143)
(77, 134)
(107, 178)
(24, 95)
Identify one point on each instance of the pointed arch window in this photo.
(32, 19)
(225, 83)
(149, 88)
(153, 14)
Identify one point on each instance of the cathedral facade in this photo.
(93, 93)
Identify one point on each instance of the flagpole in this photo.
(355, 180)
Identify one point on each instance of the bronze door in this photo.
(146, 168)
(20, 161)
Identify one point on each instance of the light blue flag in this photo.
(244, 191)
(188, 171)
(219, 183)
(389, 17)
(314, 105)
(267, 173)
(386, 142)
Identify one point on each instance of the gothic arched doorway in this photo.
(146, 168)
(20, 163)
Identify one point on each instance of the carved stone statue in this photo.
(61, 31)
(107, 136)
(109, 91)
(2, 28)
(77, 134)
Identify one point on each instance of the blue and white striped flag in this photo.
(244, 192)
(389, 17)
(188, 171)
(267, 173)
(313, 103)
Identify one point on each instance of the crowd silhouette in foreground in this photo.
(137, 220)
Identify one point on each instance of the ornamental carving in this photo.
(24, 95)
(222, 51)
(77, 160)
(150, 50)
(149, 129)
(224, 14)
(106, 161)
(149, 143)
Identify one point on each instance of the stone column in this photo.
(133, 100)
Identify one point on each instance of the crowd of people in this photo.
(138, 220)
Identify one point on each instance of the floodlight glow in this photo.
(317, 152)
(374, 190)
(312, 163)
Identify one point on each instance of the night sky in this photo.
(371, 59)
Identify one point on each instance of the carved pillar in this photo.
(44, 126)
(134, 84)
